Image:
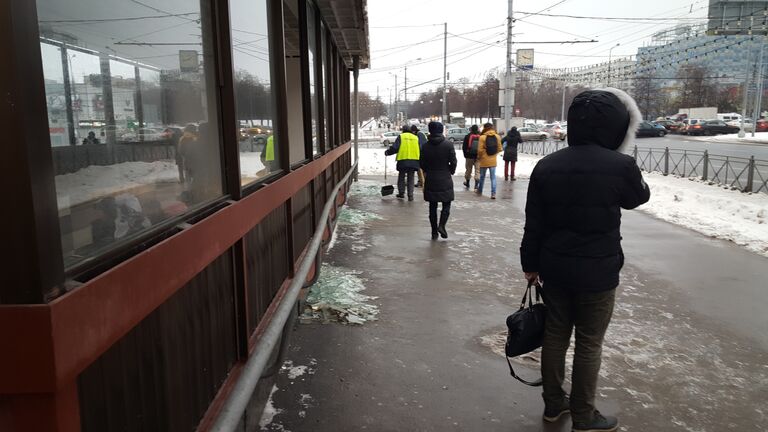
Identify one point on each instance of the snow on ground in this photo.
(711, 210)
(703, 207)
(97, 181)
(250, 164)
(760, 137)
(337, 296)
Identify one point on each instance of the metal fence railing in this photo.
(744, 174)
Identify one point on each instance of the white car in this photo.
(388, 138)
(749, 126)
(532, 134)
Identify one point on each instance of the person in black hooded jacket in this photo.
(438, 160)
(572, 243)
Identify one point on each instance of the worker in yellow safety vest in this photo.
(268, 155)
(406, 147)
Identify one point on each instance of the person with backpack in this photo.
(406, 147)
(510, 143)
(438, 160)
(572, 244)
(488, 152)
(469, 148)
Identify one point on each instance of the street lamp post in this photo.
(610, 51)
(405, 111)
(562, 107)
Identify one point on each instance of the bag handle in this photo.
(528, 295)
(536, 383)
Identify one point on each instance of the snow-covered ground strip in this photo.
(98, 181)
(760, 137)
(706, 208)
(250, 164)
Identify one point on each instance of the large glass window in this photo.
(132, 116)
(326, 95)
(314, 100)
(294, 96)
(254, 105)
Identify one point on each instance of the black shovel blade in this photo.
(387, 190)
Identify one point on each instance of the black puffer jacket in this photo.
(510, 143)
(438, 160)
(573, 215)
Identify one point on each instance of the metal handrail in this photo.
(237, 401)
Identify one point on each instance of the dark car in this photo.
(714, 127)
(648, 129)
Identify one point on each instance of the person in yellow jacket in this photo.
(268, 155)
(487, 155)
(408, 152)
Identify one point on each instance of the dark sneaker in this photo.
(493, 196)
(553, 414)
(410, 198)
(599, 423)
(401, 196)
(466, 184)
(434, 235)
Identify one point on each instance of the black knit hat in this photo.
(435, 128)
(474, 129)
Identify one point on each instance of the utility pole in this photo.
(759, 95)
(445, 71)
(610, 51)
(405, 110)
(508, 80)
(746, 96)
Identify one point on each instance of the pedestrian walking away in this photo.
(422, 140)
(510, 143)
(406, 147)
(487, 155)
(469, 148)
(438, 160)
(572, 244)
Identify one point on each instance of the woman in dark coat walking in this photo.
(438, 160)
(510, 143)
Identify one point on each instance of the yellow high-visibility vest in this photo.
(409, 147)
(270, 150)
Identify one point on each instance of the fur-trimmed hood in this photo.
(608, 117)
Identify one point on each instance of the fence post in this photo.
(750, 174)
(705, 171)
(634, 153)
(666, 160)
(685, 160)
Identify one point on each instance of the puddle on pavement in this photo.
(337, 297)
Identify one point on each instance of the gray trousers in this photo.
(401, 182)
(589, 313)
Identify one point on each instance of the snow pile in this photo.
(372, 163)
(337, 296)
(711, 210)
(760, 137)
(251, 165)
(97, 181)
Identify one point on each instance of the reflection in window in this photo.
(314, 100)
(253, 89)
(327, 103)
(131, 116)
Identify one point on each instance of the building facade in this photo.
(170, 162)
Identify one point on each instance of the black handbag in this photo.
(526, 329)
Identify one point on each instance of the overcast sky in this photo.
(481, 29)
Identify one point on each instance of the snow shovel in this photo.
(386, 189)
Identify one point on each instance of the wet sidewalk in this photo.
(687, 349)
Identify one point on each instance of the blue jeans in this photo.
(493, 179)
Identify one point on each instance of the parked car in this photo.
(456, 134)
(388, 138)
(714, 127)
(691, 127)
(749, 126)
(531, 134)
(555, 130)
(648, 129)
(762, 125)
(670, 125)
